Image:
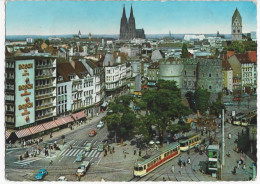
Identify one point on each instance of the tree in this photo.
(191, 99)
(217, 52)
(47, 42)
(184, 51)
(217, 106)
(202, 99)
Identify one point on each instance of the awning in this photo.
(67, 119)
(79, 115)
(7, 134)
(49, 125)
(23, 133)
(60, 121)
(36, 129)
(104, 104)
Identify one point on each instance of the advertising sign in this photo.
(24, 92)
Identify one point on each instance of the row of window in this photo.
(42, 113)
(9, 108)
(62, 90)
(9, 75)
(9, 64)
(42, 82)
(9, 119)
(86, 93)
(88, 84)
(43, 92)
(9, 97)
(62, 109)
(43, 72)
(43, 102)
(43, 63)
(9, 86)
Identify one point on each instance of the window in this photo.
(185, 72)
(210, 75)
(210, 87)
(234, 31)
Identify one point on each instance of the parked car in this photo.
(80, 157)
(92, 133)
(100, 124)
(82, 169)
(228, 103)
(100, 147)
(41, 173)
(62, 178)
(88, 147)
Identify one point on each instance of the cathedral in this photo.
(236, 26)
(127, 27)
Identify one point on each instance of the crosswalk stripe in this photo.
(87, 153)
(25, 162)
(97, 154)
(65, 152)
(76, 153)
(95, 143)
(91, 155)
(85, 142)
(74, 142)
(81, 151)
(100, 155)
(69, 152)
(72, 152)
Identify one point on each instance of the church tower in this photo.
(131, 25)
(123, 26)
(236, 26)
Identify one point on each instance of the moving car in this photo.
(80, 157)
(100, 147)
(88, 147)
(100, 124)
(82, 169)
(41, 173)
(92, 133)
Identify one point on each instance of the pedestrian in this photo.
(244, 166)
(164, 179)
(134, 152)
(173, 168)
(229, 136)
(140, 153)
(70, 146)
(180, 172)
(24, 144)
(125, 156)
(238, 164)
(110, 151)
(105, 151)
(188, 160)
(113, 149)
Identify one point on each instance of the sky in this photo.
(65, 17)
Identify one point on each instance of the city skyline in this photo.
(55, 18)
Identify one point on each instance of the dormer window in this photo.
(60, 78)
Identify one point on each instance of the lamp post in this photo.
(223, 140)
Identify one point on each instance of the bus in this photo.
(190, 142)
(146, 165)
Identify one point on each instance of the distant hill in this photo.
(115, 36)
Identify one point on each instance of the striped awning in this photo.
(67, 119)
(23, 133)
(7, 134)
(60, 122)
(49, 125)
(36, 129)
(79, 115)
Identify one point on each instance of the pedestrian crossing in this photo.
(27, 161)
(74, 152)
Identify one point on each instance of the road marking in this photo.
(9, 152)
(85, 142)
(76, 153)
(99, 161)
(87, 153)
(74, 142)
(98, 153)
(92, 140)
(62, 152)
(90, 160)
(95, 143)
(80, 142)
(71, 153)
(92, 153)
(26, 162)
(65, 152)
(105, 142)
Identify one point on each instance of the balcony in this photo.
(45, 106)
(44, 77)
(39, 97)
(45, 86)
(44, 116)
(44, 66)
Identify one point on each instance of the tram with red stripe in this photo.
(145, 165)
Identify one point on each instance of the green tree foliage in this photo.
(184, 51)
(241, 47)
(165, 105)
(47, 42)
(202, 99)
(216, 107)
(191, 99)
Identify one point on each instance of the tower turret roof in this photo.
(237, 15)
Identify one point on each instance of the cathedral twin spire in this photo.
(127, 27)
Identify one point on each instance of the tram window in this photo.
(164, 154)
(182, 144)
(145, 167)
(136, 168)
(140, 168)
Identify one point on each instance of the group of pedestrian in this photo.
(183, 162)
(109, 149)
(24, 143)
(46, 151)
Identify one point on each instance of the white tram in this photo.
(144, 166)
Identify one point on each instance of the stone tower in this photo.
(236, 26)
(131, 25)
(123, 26)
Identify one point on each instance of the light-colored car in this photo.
(100, 124)
(80, 157)
(228, 103)
(62, 178)
(88, 147)
(82, 169)
(100, 147)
